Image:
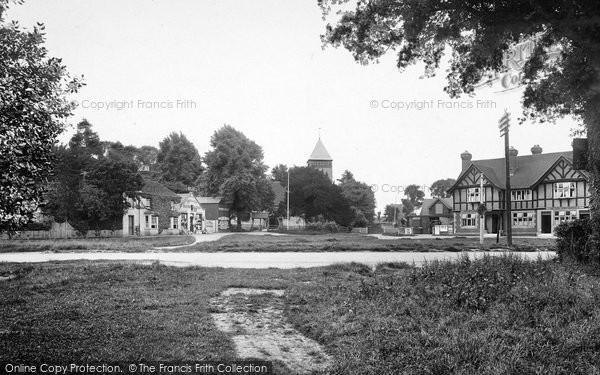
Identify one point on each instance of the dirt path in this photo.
(254, 318)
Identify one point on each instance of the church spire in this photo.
(321, 160)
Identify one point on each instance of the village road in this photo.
(260, 260)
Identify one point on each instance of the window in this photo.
(439, 208)
(522, 219)
(154, 222)
(174, 223)
(564, 190)
(145, 202)
(468, 220)
(473, 195)
(520, 195)
(564, 216)
(147, 221)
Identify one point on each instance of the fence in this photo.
(63, 230)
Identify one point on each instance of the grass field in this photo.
(271, 243)
(356, 242)
(498, 315)
(95, 244)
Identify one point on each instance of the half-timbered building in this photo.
(545, 191)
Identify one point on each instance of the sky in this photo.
(156, 67)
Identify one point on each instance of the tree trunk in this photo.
(239, 223)
(592, 122)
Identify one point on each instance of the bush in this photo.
(322, 227)
(574, 241)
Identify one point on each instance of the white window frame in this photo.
(520, 195)
(174, 223)
(154, 222)
(564, 216)
(468, 220)
(473, 195)
(523, 219)
(564, 190)
(147, 220)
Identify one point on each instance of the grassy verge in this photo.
(105, 311)
(95, 244)
(271, 243)
(498, 315)
(356, 242)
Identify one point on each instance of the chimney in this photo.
(466, 159)
(512, 154)
(536, 150)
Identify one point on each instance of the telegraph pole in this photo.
(288, 200)
(482, 212)
(504, 125)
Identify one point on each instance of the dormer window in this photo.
(564, 189)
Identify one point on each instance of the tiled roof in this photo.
(320, 152)
(530, 169)
(152, 187)
(427, 203)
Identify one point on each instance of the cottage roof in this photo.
(427, 203)
(530, 169)
(152, 187)
(320, 152)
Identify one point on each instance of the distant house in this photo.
(545, 191)
(433, 212)
(216, 213)
(152, 210)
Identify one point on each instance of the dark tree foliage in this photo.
(236, 172)
(390, 215)
(179, 165)
(414, 195)
(314, 197)
(478, 34)
(439, 188)
(279, 173)
(87, 189)
(33, 110)
(361, 198)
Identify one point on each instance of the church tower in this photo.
(321, 160)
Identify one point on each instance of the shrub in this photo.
(322, 227)
(574, 241)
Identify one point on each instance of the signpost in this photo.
(504, 125)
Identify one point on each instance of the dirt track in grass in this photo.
(254, 319)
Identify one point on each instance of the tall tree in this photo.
(393, 212)
(439, 188)
(279, 173)
(314, 197)
(480, 34)
(33, 111)
(178, 162)
(88, 188)
(235, 171)
(415, 195)
(361, 198)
